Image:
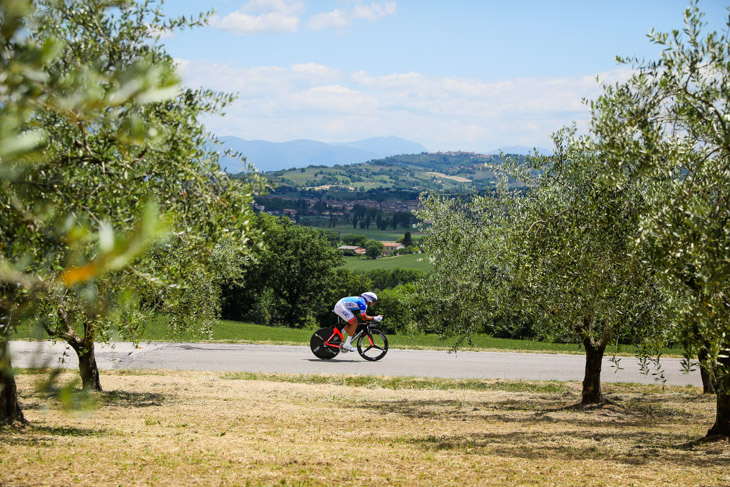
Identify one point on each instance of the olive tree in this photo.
(572, 237)
(35, 235)
(466, 243)
(97, 173)
(555, 255)
(669, 126)
(209, 212)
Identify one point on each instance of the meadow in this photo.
(205, 428)
(408, 261)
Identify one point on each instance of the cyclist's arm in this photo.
(364, 313)
(365, 317)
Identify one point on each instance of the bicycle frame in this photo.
(361, 328)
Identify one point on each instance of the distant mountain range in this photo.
(274, 156)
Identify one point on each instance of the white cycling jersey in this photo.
(345, 307)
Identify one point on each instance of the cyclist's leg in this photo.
(347, 316)
(344, 313)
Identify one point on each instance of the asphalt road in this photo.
(299, 360)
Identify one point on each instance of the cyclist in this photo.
(345, 308)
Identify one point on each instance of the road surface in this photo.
(299, 360)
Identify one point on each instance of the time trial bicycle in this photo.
(372, 344)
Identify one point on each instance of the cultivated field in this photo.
(408, 261)
(185, 428)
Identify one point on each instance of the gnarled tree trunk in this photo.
(722, 416)
(592, 378)
(722, 388)
(84, 348)
(87, 364)
(707, 371)
(10, 410)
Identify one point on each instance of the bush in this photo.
(373, 249)
(355, 239)
(398, 307)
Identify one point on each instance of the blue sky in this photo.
(456, 75)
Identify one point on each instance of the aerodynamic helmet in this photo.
(369, 297)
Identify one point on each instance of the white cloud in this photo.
(281, 16)
(339, 19)
(318, 102)
(374, 11)
(312, 68)
(259, 16)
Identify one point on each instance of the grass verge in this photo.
(238, 332)
(179, 428)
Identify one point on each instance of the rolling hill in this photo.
(274, 156)
(455, 172)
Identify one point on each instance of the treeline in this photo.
(321, 213)
(376, 194)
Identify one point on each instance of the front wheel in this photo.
(372, 345)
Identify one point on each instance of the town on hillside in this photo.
(330, 212)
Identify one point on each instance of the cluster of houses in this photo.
(327, 207)
(389, 248)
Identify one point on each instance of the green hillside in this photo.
(440, 172)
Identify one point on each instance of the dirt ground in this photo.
(192, 428)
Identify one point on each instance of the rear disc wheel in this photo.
(319, 346)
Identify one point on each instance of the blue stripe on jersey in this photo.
(355, 302)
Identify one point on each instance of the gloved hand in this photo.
(379, 318)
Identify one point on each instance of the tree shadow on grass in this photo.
(638, 432)
(635, 448)
(511, 412)
(127, 399)
(45, 436)
(540, 408)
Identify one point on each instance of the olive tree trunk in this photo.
(722, 388)
(592, 378)
(722, 417)
(87, 364)
(83, 346)
(707, 371)
(10, 411)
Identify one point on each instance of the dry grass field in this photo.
(190, 428)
